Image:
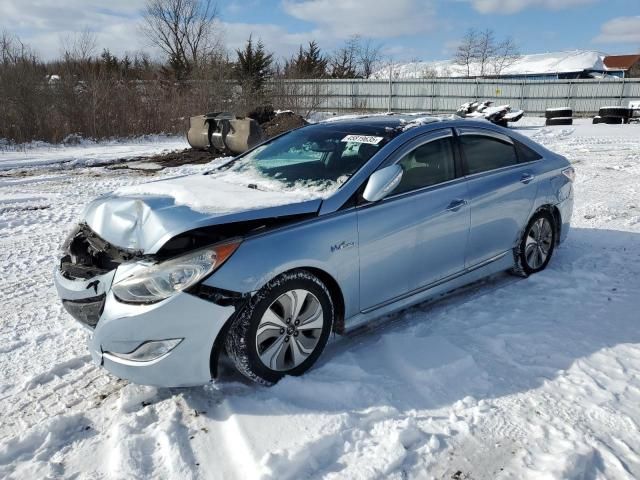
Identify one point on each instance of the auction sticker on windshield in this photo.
(362, 139)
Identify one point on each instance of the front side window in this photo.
(484, 153)
(427, 165)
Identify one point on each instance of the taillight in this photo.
(570, 173)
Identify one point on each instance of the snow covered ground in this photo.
(86, 152)
(510, 378)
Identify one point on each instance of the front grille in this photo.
(87, 255)
(86, 310)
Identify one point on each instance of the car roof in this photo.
(378, 124)
(380, 121)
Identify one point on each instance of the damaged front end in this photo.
(89, 264)
(86, 255)
(86, 271)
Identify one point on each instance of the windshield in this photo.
(318, 157)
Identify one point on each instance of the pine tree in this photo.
(109, 61)
(125, 65)
(253, 65)
(309, 63)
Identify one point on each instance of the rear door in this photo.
(502, 191)
(418, 234)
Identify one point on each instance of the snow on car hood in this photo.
(144, 217)
(210, 195)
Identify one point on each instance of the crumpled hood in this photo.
(144, 217)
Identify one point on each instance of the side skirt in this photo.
(502, 262)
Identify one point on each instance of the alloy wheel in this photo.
(289, 330)
(538, 243)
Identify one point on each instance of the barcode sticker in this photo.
(362, 139)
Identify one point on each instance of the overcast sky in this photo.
(407, 29)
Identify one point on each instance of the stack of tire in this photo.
(558, 116)
(613, 115)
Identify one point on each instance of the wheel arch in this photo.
(336, 295)
(337, 298)
(555, 215)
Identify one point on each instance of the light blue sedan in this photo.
(321, 229)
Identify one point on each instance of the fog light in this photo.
(148, 351)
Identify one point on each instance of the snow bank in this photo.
(540, 64)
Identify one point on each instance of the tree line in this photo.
(98, 94)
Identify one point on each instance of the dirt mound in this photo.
(183, 157)
(283, 122)
(262, 114)
(188, 156)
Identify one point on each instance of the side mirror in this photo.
(382, 182)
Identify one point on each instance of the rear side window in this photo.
(427, 165)
(484, 153)
(525, 154)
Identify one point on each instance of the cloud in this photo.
(507, 7)
(620, 30)
(43, 24)
(275, 38)
(373, 19)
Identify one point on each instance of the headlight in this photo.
(153, 283)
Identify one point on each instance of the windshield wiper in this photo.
(224, 166)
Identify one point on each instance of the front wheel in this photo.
(284, 328)
(536, 247)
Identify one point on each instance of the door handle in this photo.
(527, 177)
(456, 205)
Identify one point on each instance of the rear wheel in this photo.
(283, 330)
(536, 247)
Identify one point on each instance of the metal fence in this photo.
(446, 95)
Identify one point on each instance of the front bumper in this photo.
(122, 328)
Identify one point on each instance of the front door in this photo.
(417, 234)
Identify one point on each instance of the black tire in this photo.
(597, 120)
(558, 112)
(241, 343)
(623, 112)
(613, 120)
(522, 267)
(559, 121)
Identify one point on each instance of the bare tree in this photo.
(12, 50)
(182, 29)
(485, 50)
(428, 72)
(467, 50)
(506, 54)
(344, 61)
(481, 54)
(79, 47)
(369, 56)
